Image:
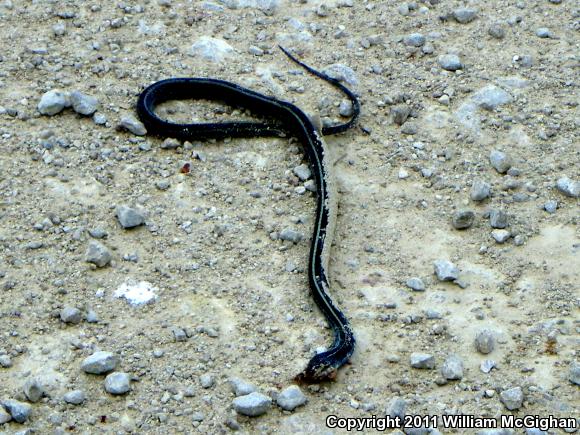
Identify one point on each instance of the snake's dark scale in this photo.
(282, 117)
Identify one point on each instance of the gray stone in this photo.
(5, 361)
(422, 361)
(241, 387)
(5, 417)
(574, 374)
(100, 363)
(342, 73)
(498, 219)
(290, 235)
(485, 341)
(71, 315)
(491, 97)
(568, 187)
(496, 30)
(345, 108)
(99, 119)
(480, 190)
(83, 104)
(75, 397)
(462, 219)
(98, 254)
(487, 365)
(416, 284)
(19, 411)
(53, 102)
(33, 390)
(132, 124)
(464, 15)
(450, 62)
(551, 206)
(414, 40)
(445, 270)
(92, 317)
(170, 144)
(303, 172)
(495, 432)
(291, 398)
(397, 408)
(452, 368)
(211, 49)
(252, 405)
(410, 128)
(129, 217)
(500, 236)
(118, 383)
(543, 32)
(501, 162)
(512, 399)
(400, 113)
(535, 431)
(206, 380)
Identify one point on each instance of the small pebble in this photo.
(574, 373)
(397, 408)
(452, 368)
(445, 270)
(422, 361)
(83, 104)
(99, 119)
(568, 187)
(486, 365)
(100, 363)
(414, 40)
(117, 383)
(400, 113)
(464, 15)
(462, 219)
(496, 30)
(170, 144)
(512, 399)
(98, 254)
(450, 62)
(485, 341)
(500, 161)
(302, 172)
(5, 361)
(252, 405)
(291, 398)
(480, 190)
(500, 236)
(33, 390)
(19, 411)
(206, 380)
(345, 109)
(543, 32)
(75, 397)
(71, 315)
(129, 217)
(290, 235)
(53, 102)
(132, 124)
(498, 219)
(241, 387)
(551, 206)
(5, 417)
(416, 284)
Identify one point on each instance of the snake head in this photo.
(318, 370)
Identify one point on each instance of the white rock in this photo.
(291, 398)
(211, 49)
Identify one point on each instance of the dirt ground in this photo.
(232, 298)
